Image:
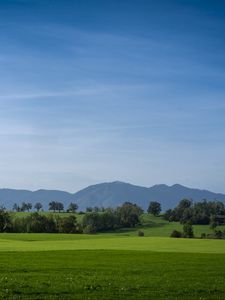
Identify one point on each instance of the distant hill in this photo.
(110, 194)
(115, 193)
(10, 196)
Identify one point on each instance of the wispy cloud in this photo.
(53, 94)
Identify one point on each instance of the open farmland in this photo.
(60, 266)
(109, 265)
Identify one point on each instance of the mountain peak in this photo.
(158, 186)
(177, 185)
(118, 182)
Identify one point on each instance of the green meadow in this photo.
(117, 265)
(55, 242)
(157, 226)
(111, 274)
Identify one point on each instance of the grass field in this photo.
(60, 266)
(157, 226)
(111, 275)
(117, 265)
(50, 242)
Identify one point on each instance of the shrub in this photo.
(218, 234)
(203, 235)
(141, 233)
(176, 234)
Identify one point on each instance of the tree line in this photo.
(53, 206)
(127, 215)
(108, 219)
(203, 212)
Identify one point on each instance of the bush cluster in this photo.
(126, 215)
(197, 213)
(217, 234)
(187, 232)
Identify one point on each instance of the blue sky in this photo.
(95, 90)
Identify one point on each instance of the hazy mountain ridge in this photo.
(110, 194)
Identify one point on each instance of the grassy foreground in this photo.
(118, 265)
(110, 267)
(99, 274)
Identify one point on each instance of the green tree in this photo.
(91, 222)
(154, 208)
(129, 214)
(59, 206)
(23, 206)
(15, 207)
(35, 223)
(52, 206)
(213, 222)
(183, 205)
(72, 207)
(68, 224)
(29, 206)
(38, 206)
(89, 209)
(5, 220)
(188, 231)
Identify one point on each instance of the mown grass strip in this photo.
(98, 242)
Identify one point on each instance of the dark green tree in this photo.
(89, 209)
(38, 206)
(129, 214)
(72, 207)
(68, 224)
(29, 206)
(188, 231)
(154, 208)
(16, 207)
(5, 220)
(59, 206)
(52, 206)
(213, 222)
(23, 206)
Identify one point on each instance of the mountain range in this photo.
(110, 194)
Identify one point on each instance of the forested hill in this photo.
(110, 195)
